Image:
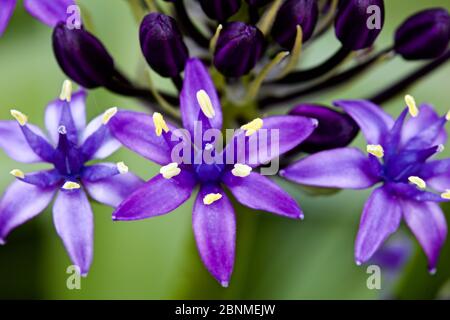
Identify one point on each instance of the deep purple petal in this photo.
(43, 179)
(97, 140)
(74, 222)
(136, 131)
(20, 203)
(99, 171)
(427, 222)
(49, 12)
(346, 168)
(77, 108)
(113, 190)
(261, 193)
(157, 197)
(7, 9)
(437, 174)
(278, 135)
(196, 78)
(38, 143)
(215, 233)
(380, 218)
(374, 122)
(14, 143)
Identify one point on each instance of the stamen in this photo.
(170, 171)
(18, 173)
(440, 148)
(205, 104)
(446, 195)
(107, 116)
(375, 150)
(241, 170)
(420, 183)
(122, 168)
(252, 126)
(70, 185)
(66, 91)
(412, 106)
(20, 117)
(160, 124)
(447, 116)
(211, 198)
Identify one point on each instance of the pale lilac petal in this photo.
(380, 218)
(156, 197)
(215, 233)
(427, 222)
(14, 143)
(346, 168)
(373, 121)
(77, 108)
(20, 203)
(114, 190)
(49, 12)
(437, 174)
(136, 132)
(258, 192)
(105, 144)
(278, 135)
(74, 222)
(196, 78)
(6, 10)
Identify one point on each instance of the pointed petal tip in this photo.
(114, 218)
(432, 271)
(84, 274)
(224, 284)
(301, 216)
(315, 122)
(358, 263)
(281, 173)
(2, 242)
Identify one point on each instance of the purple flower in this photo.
(213, 217)
(49, 12)
(69, 146)
(397, 158)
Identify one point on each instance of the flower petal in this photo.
(437, 174)
(346, 168)
(43, 179)
(196, 78)
(373, 121)
(215, 233)
(6, 12)
(278, 135)
(427, 222)
(380, 218)
(77, 108)
(49, 12)
(157, 197)
(258, 192)
(114, 190)
(14, 143)
(20, 203)
(74, 222)
(97, 140)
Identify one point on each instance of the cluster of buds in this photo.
(253, 48)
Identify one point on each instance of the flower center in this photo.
(209, 172)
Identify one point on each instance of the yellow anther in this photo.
(210, 198)
(20, 117)
(446, 195)
(70, 185)
(420, 183)
(375, 150)
(205, 104)
(241, 170)
(440, 148)
(66, 91)
(412, 106)
(252, 126)
(108, 115)
(18, 173)
(160, 124)
(122, 168)
(447, 116)
(170, 171)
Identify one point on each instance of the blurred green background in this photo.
(156, 258)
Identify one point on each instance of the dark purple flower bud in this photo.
(335, 130)
(162, 44)
(82, 56)
(258, 3)
(220, 10)
(291, 14)
(359, 22)
(425, 35)
(238, 49)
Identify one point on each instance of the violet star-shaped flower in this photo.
(398, 158)
(213, 217)
(71, 144)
